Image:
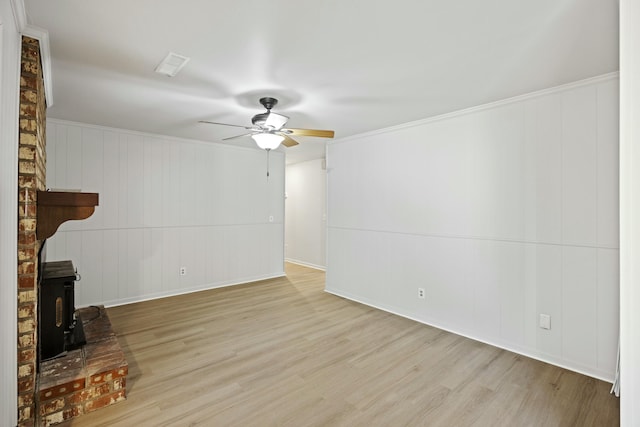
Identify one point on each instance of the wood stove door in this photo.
(56, 308)
(52, 318)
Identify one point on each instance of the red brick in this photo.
(51, 406)
(30, 52)
(26, 340)
(88, 394)
(25, 181)
(73, 412)
(27, 310)
(27, 153)
(27, 281)
(61, 416)
(26, 167)
(27, 225)
(26, 384)
(26, 239)
(28, 96)
(26, 287)
(26, 40)
(28, 111)
(25, 296)
(28, 139)
(26, 399)
(27, 195)
(27, 370)
(31, 177)
(62, 389)
(29, 81)
(119, 383)
(28, 125)
(26, 355)
(103, 401)
(26, 253)
(27, 211)
(26, 325)
(25, 413)
(109, 375)
(29, 67)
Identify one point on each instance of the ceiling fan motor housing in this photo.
(268, 102)
(259, 119)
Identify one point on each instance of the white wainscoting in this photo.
(501, 213)
(165, 203)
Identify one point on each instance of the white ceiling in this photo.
(348, 65)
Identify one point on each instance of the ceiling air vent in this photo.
(171, 64)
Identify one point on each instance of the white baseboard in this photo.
(205, 287)
(306, 264)
(550, 359)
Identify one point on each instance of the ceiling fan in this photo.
(268, 131)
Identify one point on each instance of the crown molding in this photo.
(19, 13)
(532, 95)
(40, 34)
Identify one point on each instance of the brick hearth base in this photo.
(86, 379)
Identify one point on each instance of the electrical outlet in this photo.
(421, 293)
(183, 271)
(545, 321)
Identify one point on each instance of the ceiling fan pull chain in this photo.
(267, 150)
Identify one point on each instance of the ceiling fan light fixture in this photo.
(267, 141)
(268, 128)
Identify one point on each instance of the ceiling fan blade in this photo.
(238, 136)
(310, 132)
(288, 142)
(224, 124)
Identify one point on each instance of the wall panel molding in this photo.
(165, 203)
(500, 213)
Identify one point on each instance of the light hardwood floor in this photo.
(282, 352)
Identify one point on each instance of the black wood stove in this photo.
(60, 329)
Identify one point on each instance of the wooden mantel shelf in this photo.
(56, 207)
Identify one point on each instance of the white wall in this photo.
(164, 204)
(500, 213)
(10, 44)
(629, 213)
(305, 213)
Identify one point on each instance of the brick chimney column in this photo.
(31, 178)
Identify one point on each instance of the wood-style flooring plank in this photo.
(282, 352)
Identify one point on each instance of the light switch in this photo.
(545, 321)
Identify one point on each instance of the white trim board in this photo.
(208, 287)
(305, 264)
